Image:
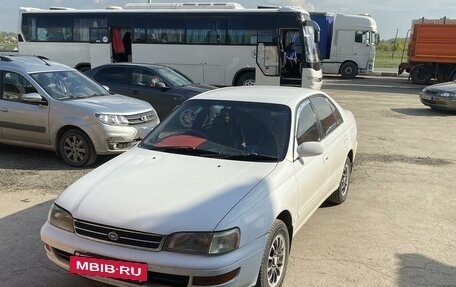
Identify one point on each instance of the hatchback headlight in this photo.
(114, 120)
(204, 242)
(60, 218)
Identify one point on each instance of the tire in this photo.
(275, 258)
(349, 70)
(340, 195)
(453, 77)
(247, 79)
(420, 76)
(76, 149)
(83, 69)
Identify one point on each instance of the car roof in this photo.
(31, 64)
(289, 96)
(146, 65)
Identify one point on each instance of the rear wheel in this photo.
(275, 258)
(76, 149)
(340, 195)
(247, 79)
(349, 70)
(420, 76)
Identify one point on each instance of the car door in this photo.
(311, 171)
(115, 78)
(334, 138)
(21, 121)
(145, 86)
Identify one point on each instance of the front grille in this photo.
(123, 236)
(142, 118)
(429, 102)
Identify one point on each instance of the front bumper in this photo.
(109, 139)
(60, 244)
(438, 102)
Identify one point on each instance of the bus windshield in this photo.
(310, 46)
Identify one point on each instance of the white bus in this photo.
(220, 44)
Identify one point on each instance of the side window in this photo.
(111, 75)
(327, 114)
(145, 78)
(307, 129)
(14, 86)
(362, 37)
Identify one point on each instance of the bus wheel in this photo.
(247, 79)
(420, 76)
(349, 70)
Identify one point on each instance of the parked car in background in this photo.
(440, 96)
(164, 88)
(213, 195)
(48, 105)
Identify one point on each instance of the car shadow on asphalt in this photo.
(419, 270)
(24, 261)
(15, 157)
(361, 84)
(423, 112)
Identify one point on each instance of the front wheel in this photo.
(420, 76)
(340, 195)
(275, 258)
(247, 79)
(349, 70)
(76, 149)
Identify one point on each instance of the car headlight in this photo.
(114, 120)
(204, 242)
(447, 95)
(60, 218)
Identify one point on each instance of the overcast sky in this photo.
(391, 15)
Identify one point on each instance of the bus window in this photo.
(82, 26)
(206, 31)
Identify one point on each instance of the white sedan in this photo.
(212, 196)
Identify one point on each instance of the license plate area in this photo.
(93, 265)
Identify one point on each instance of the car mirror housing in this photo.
(33, 98)
(310, 149)
(105, 87)
(160, 85)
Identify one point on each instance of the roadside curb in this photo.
(385, 74)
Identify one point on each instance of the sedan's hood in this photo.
(117, 104)
(193, 90)
(443, 87)
(161, 192)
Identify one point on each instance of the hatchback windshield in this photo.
(224, 129)
(64, 85)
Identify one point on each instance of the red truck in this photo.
(431, 51)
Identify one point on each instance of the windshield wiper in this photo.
(249, 157)
(186, 150)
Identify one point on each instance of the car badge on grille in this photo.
(144, 118)
(113, 236)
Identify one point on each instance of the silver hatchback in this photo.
(48, 105)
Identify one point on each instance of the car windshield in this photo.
(66, 85)
(173, 77)
(224, 129)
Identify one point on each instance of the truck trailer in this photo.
(347, 43)
(431, 51)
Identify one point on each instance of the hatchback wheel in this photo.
(76, 149)
(340, 195)
(275, 258)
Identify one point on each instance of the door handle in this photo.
(326, 157)
(4, 109)
(134, 92)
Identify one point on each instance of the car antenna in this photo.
(42, 58)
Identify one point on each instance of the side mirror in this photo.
(160, 85)
(105, 87)
(33, 98)
(310, 149)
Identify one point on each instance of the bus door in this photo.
(100, 46)
(267, 71)
(291, 57)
